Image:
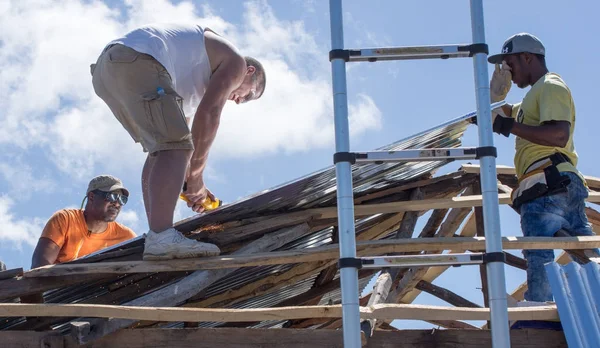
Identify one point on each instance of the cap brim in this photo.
(114, 188)
(496, 58)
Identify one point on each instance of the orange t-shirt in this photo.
(68, 229)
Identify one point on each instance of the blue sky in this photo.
(56, 134)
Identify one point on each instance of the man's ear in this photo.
(250, 70)
(528, 57)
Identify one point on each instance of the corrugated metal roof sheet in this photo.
(317, 189)
(576, 291)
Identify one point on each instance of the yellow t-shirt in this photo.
(549, 99)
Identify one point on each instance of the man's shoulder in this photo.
(67, 213)
(554, 81)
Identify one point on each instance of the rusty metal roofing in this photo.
(314, 190)
(576, 291)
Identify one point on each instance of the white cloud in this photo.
(130, 219)
(50, 110)
(15, 229)
(44, 68)
(22, 180)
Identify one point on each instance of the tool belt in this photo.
(542, 178)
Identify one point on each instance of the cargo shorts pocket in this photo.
(165, 116)
(122, 54)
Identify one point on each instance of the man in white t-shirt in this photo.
(154, 79)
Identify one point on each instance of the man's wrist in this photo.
(503, 125)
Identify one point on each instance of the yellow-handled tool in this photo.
(208, 203)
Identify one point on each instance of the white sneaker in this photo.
(171, 244)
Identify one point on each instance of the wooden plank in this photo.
(467, 230)
(189, 286)
(17, 287)
(176, 314)
(414, 274)
(479, 225)
(11, 273)
(592, 182)
(288, 338)
(445, 294)
(31, 339)
(385, 280)
(330, 252)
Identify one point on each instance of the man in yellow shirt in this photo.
(551, 193)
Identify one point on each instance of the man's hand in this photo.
(501, 125)
(197, 193)
(501, 82)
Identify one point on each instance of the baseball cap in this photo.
(519, 43)
(106, 183)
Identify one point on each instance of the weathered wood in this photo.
(452, 324)
(445, 294)
(432, 186)
(176, 314)
(467, 230)
(384, 282)
(189, 286)
(409, 221)
(413, 275)
(380, 293)
(515, 261)
(330, 252)
(284, 338)
(479, 225)
(11, 273)
(434, 222)
(17, 287)
(592, 182)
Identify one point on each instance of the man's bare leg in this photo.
(166, 175)
(146, 184)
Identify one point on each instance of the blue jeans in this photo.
(543, 217)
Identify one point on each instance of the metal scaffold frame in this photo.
(486, 153)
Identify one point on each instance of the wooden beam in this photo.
(189, 286)
(176, 314)
(445, 294)
(479, 225)
(592, 182)
(385, 280)
(414, 274)
(467, 230)
(330, 252)
(284, 338)
(17, 287)
(11, 273)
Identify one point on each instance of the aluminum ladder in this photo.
(486, 153)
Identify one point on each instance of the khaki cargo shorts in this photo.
(140, 93)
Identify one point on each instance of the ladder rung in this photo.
(416, 52)
(422, 260)
(459, 153)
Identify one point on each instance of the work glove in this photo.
(501, 125)
(501, 82)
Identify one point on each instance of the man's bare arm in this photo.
(555, 133)
(45, 253)
(228, 76)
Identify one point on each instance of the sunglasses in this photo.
(112, 197)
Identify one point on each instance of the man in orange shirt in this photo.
(73, 233)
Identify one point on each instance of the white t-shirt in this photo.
(180, 49)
